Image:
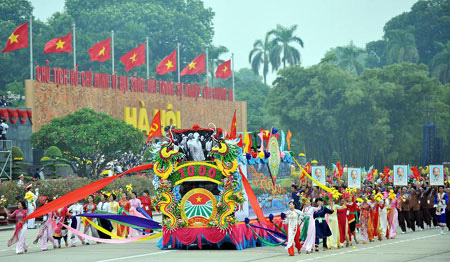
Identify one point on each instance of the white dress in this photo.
(31, 206)
(293, 217)
(383, 216)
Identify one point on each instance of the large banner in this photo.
(273, 199)
(49, 100)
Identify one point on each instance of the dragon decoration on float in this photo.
(197, 188)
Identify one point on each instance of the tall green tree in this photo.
(285, 47)
(91, 139)
(401, 47)
(350, 58)
(260, 55)
(440, 64)
(429, 22)
(374, 118)
(250, 88)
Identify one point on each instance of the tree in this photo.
(374, 118)
(250, 88)
(53, 159)
(92, 139)
(400, 47)
(350, 58)
(282, 50)
(440, 64)
(260, 56)
(428, 21)
(18, 166)
(335, 157)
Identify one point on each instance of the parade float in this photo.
(211, 190)
(203, 192)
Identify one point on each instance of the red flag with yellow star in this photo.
(168, 64)
(197, 66)
(135, 57)
(224, 70)
(18, 39)
(155, 128)
(233, 129)
(61, 44)
(101, 51)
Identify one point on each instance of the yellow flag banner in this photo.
(333, 191)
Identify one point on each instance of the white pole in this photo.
(148, 69)
(207, 66)
(112, 52)
(74, 49)
(232, 73)
(178, 61)
(31, 47)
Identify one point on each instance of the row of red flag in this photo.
(101, 52)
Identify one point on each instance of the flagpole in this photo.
(74, 49)
(207, 66)
(148, 70)
(112, 52)
(178, 61)
(31, 48)
(232, 73)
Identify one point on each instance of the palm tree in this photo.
(260, 56)
(214, 53)
(401, 47)
(440, 64)
(350, 58)
(329, 57)
(282, 48)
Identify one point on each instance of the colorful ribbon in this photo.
(80, 193)
(112, 241)
(281, 235)
(133, 220)
(265, 242)
(101, 229)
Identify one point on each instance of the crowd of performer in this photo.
(53, 227)
(362, 215)
(315, 216)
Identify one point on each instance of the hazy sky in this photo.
(322, 24)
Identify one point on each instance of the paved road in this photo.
(427, 245)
